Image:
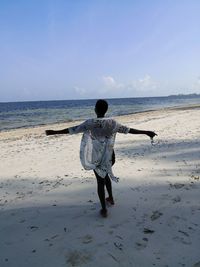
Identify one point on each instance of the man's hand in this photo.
(151, 134)
(49, 132)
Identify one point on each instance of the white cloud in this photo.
(110, 87)
(80, 91)
(110, 83)
(141, 86)
(145, 84)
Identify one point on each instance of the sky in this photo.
(79, 49)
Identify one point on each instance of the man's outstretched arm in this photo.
(52, 132)
(71, 130)
(148, 133)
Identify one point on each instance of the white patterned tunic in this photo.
(97, 144)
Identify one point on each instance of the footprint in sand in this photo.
(142, 244)
(33, 228)
(156, 214)
(77, 258)
(177, 185)
(148, 231)
(22, 221)
(183, 240)
(86, 239)
(118, 245)
(183, 232)
(176, 199)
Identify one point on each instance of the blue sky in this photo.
(72, 49)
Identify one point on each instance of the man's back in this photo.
(100, 128)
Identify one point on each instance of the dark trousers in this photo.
(101, 183)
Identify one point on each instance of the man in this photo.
(96, 152)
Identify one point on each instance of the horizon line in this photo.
(85, 99)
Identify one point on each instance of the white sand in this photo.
(49, 209)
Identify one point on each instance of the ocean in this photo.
(28, 114)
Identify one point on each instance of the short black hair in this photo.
(101, 106)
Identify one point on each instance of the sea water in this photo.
(28, 114)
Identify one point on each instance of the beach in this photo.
(49, 208)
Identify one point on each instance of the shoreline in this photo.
(120, 117)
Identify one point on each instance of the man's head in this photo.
(101, 107)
